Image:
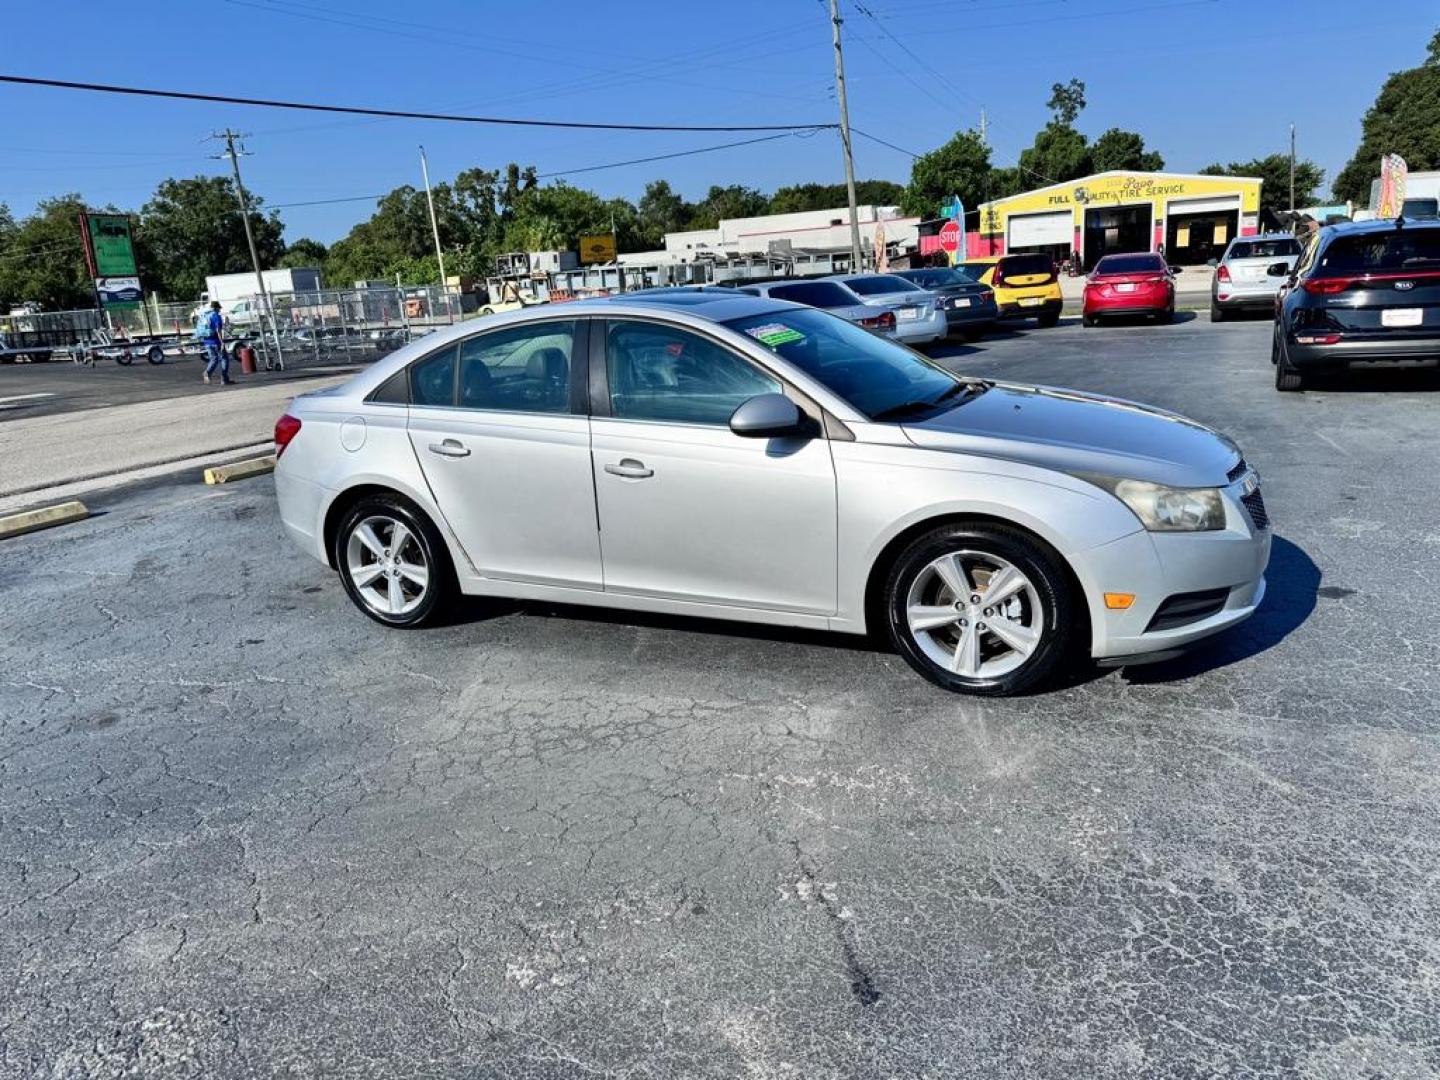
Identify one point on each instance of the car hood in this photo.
(1074, 432)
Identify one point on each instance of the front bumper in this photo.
(1157, 566)
(922, 331)
(1390, 351)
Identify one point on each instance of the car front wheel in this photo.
(980, 609)
(392, 562)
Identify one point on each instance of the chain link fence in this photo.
(345, 326)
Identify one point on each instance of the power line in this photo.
(677, 154)
(882, 142)
(355, 110)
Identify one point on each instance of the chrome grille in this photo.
(1238, 471)
(1255, 504)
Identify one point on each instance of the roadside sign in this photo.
(118, 293)
(1393, 175)
(599, 248)
(108, 247)
(950, 238)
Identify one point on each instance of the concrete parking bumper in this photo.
(43, 518)
(239, 470)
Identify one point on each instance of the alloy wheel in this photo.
(975, 614)
(387, 565)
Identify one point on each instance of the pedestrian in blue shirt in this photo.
(212, 328)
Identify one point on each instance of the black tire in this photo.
(1217, 313)
(1287, 378)
(1089, 320)
(124, 358)
(1035, 560)
(441, 587)
(155, 354)
(1048, 320)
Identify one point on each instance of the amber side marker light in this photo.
(1119, 601)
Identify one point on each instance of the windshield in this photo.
(1130, 264)
(876, 284)
(937, 279)
(874, 375)
(1264, 249)
(1399, 249)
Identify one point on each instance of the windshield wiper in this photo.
(904, 408)
(973, 388)
(916, 407)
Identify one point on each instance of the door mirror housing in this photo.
(768, 416)
(1175, 269)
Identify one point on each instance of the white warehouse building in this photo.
(807, 230)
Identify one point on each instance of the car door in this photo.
(497, 421)
(689, 510)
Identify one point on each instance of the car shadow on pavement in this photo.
(1145, 320)
(1292, 585)
(1377, 381)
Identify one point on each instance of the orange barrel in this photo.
(246, 356)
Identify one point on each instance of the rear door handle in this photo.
(630, 469)
(450, 448)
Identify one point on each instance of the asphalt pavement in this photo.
(244, 831)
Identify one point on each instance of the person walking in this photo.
(214, 345)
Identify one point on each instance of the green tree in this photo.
(799, 197)
(1067, 101)
(1274, 172)
(732, 201)
(1117, 149)
(661, 211)
(1059, 153)
(960, 167)
(304, 252)
(1404, 120)
(192, 228)
(42, 257)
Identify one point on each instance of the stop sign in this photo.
(950, 237)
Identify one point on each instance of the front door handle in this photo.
(450, 448)
(630, 469)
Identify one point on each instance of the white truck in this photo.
(237, 291)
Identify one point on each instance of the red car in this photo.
(1129, 285)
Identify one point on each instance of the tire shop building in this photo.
(1193, 216)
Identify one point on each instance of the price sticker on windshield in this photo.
(773, 334)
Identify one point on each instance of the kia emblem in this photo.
(1404, 286)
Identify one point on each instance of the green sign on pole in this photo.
(110, 243)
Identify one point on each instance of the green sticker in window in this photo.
(773, 334)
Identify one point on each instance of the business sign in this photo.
(118, 293)
(109, 251)
(597, 249)
(1393, 175)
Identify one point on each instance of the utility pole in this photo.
(265, 310)
(434, 225)
(984, 141)
(1292, 168)
(845, 138)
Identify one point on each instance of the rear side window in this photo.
(974, 270)
(1019, 265)
(1397, 251)
(395, 390)
(432, 380)
(821, 294)
(1130, 264)
(522, 369)
(1264, 249)
(878, 284)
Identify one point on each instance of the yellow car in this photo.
(1025, 285)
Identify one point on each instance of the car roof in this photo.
(714, 304)
(1377, 225)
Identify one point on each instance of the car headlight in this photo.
(1167, 509)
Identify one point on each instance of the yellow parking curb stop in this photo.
(239, 470)
(43, 518)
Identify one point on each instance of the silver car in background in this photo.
(704, 454)
(919, 318)
(1244, 280)
(829, 296)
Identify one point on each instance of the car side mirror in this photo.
(1175, 269)
(768, 416)
(1279, 269)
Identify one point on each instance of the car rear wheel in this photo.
(980, 609)
(1088, 320)
(1287, 378)
(1049, 320)
(392, 562)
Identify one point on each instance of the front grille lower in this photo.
(1182, 609)
(1238, 471)
(1255, 504)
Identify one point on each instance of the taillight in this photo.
(1327, 286)
(997, 278)
(1222, 273)
(884, 321)
(286, 428)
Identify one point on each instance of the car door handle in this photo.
(630, 469)
(450, 448)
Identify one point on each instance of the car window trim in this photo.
(577, 400)
(600, 376)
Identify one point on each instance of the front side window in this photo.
(659, 372)
(520, 369)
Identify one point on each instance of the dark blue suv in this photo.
(1363, 293)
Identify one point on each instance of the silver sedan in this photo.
(708, 454)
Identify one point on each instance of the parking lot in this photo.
(248, 832)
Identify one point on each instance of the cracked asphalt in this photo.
(246, 832)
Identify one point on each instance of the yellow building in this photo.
(1194, 217)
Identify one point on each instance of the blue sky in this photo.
(1202, 80)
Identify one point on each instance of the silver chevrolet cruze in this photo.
(721, 455)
